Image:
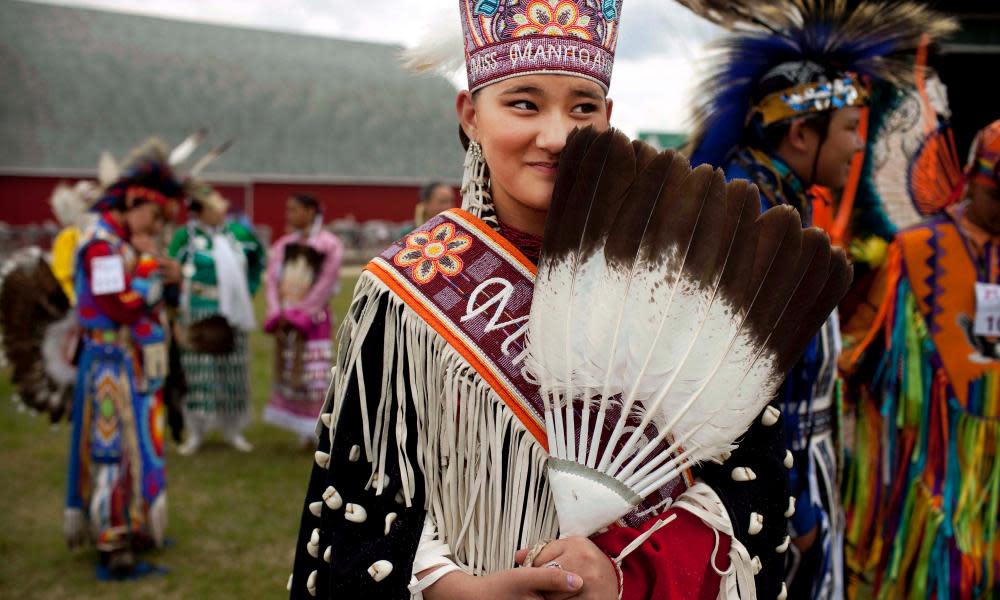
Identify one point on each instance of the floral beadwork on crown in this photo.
(433, 252)
(507, 38)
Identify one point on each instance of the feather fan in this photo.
(663, 296)
(875, 40)
(39, 333)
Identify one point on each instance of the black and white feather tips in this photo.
(662, 293)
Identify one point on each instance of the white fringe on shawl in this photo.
(483, 517)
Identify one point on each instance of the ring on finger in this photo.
(553, 565)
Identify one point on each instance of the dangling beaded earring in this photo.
(476, 197)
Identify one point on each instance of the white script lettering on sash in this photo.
(498, 302)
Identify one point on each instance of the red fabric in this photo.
(124, 307)
(673, 564)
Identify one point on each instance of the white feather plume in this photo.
(187, 147)
(441, 47)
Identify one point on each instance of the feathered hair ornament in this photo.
(146, 173)
(151, 172)
(665, 295)
(791, 58)
(198, 191)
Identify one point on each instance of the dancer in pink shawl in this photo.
(303, 274)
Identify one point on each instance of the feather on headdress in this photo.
(155, 170)
(147, 171)
(664, 294)
(824, 40)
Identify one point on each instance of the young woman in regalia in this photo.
(433, 473)
(303, 275)
(117, 488)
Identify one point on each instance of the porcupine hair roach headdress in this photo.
(793, 58)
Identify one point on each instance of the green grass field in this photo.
(233, 516)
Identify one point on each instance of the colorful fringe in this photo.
(922, 487)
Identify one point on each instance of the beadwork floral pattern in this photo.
(553, 17)
(432, 252)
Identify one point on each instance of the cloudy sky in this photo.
(656, 66)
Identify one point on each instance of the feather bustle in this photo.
(34, 309)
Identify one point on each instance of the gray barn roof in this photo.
(78, 81)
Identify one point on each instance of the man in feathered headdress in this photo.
(783, 109)
(117, 489)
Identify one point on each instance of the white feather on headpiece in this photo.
(441, 47)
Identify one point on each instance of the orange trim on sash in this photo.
(389, 279)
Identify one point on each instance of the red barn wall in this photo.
(24, 199)
(363, 202)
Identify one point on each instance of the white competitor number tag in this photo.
(107, 275)
(987, 309)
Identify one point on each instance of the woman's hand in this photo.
(582, 557)
(529, 583)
